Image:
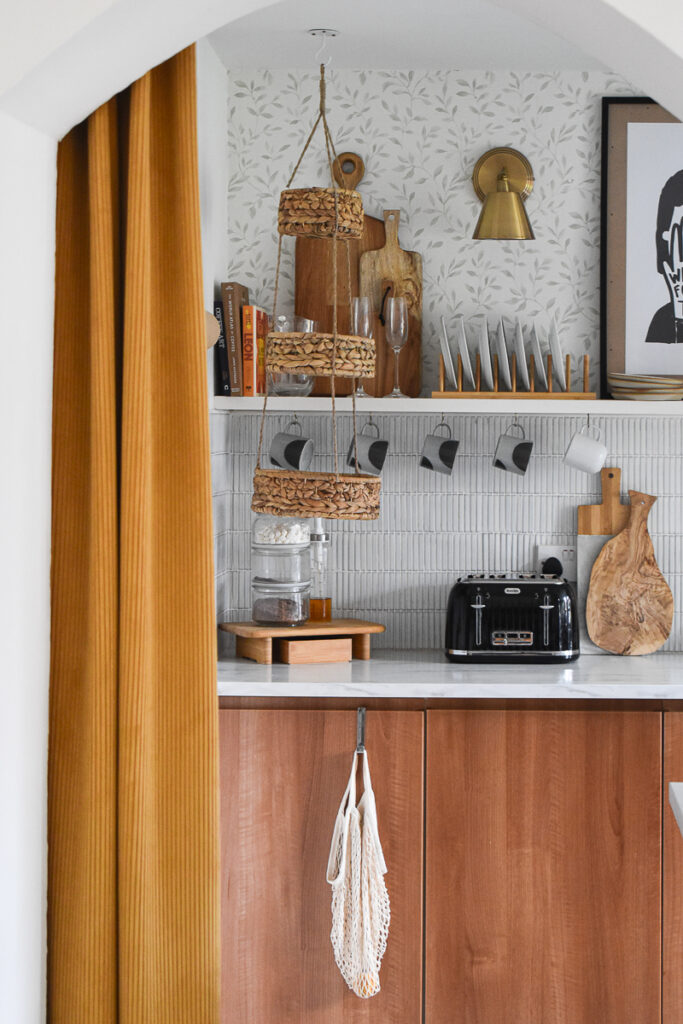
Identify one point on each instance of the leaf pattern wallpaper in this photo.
(420, 134)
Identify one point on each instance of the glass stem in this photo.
(396, 354)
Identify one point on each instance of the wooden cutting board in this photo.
(630, 606)
(401, 271)
(596, 525)
(314, 276)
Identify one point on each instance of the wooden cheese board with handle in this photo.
(314, 273)
(396, 271)
(630, 605)
(596, 525)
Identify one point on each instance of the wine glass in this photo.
(361, 326)
(396, 333)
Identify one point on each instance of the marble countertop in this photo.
(426, 674)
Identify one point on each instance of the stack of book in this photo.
(240, 352)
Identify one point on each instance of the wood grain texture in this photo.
(315, 652)
(672, 904)
(283, 774)
(543, 867)
(629, 609)
(345, 627)
(401, 270)
(314, 286)
(611, 516)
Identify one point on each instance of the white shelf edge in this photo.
(453, 406)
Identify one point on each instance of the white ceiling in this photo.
(395, 34)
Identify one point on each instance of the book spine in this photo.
(261, 335)
(235, 297)
(248, 353)
(221, 369)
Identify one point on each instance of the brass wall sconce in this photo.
(502, 179)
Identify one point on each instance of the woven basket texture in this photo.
(280, 492)
(310, 213)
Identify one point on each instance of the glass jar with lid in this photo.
(280, 604)
(280, 549)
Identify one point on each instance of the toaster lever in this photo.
(546, 609)
(477, 619)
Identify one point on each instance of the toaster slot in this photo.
(512, 638)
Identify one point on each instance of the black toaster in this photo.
(512, 617)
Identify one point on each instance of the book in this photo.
(235, 296)
(221, 369)
(254, 332)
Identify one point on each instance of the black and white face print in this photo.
(654, 273)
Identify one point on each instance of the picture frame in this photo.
(620, 320)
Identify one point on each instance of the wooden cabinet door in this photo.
(283, 774)
(672, 903)
(543, 867)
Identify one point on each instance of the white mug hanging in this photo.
(584, 452)
(438, 452)
(372, 451)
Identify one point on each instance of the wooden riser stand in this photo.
(266, 644)
(524, 395)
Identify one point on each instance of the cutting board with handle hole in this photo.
(399, 270)
(596, 525)
(314, 273)
(630, 606)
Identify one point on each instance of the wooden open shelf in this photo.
(531, 394)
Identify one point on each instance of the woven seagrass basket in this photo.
(293, 352)
(284, 492)
(310, 213)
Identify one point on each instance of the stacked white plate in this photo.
(643, 387)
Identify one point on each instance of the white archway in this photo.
(116, 41)
(59, 60)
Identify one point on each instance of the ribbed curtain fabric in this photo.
(133, 912)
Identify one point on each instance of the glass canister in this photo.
(292, 384)
(280, 604)
(321, 597)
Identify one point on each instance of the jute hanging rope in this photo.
(336, 214)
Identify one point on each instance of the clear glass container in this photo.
(292, 384)
(321, 597)
(280, 604)
(281, 563)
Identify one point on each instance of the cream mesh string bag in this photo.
(360, 901)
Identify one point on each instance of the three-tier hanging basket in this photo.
(337, 214)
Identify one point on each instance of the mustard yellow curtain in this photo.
(133, 923)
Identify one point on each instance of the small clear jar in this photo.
(281, 563)
(280, 604)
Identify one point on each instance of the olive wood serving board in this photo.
(630, 606)
(596, 525)
(314, 273)
(401, 271)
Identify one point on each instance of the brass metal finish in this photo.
(489, 166)
(502, 178)
(503, 214)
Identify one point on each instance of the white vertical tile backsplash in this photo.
(434, 528)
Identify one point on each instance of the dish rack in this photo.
(532, 393)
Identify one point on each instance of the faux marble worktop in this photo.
(426, 674)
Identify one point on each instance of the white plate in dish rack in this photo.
(557, 354)
(485, 355)
(539, 362)
(520, 353)
(461, 338)
(502, 353)
(447, 358)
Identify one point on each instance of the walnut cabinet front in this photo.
(550, 865)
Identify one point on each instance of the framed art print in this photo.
(642, 239)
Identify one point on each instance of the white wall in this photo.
(212, 138)
(27, 203)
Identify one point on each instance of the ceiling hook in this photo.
(324, 34)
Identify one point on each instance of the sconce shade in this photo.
(503, 215)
